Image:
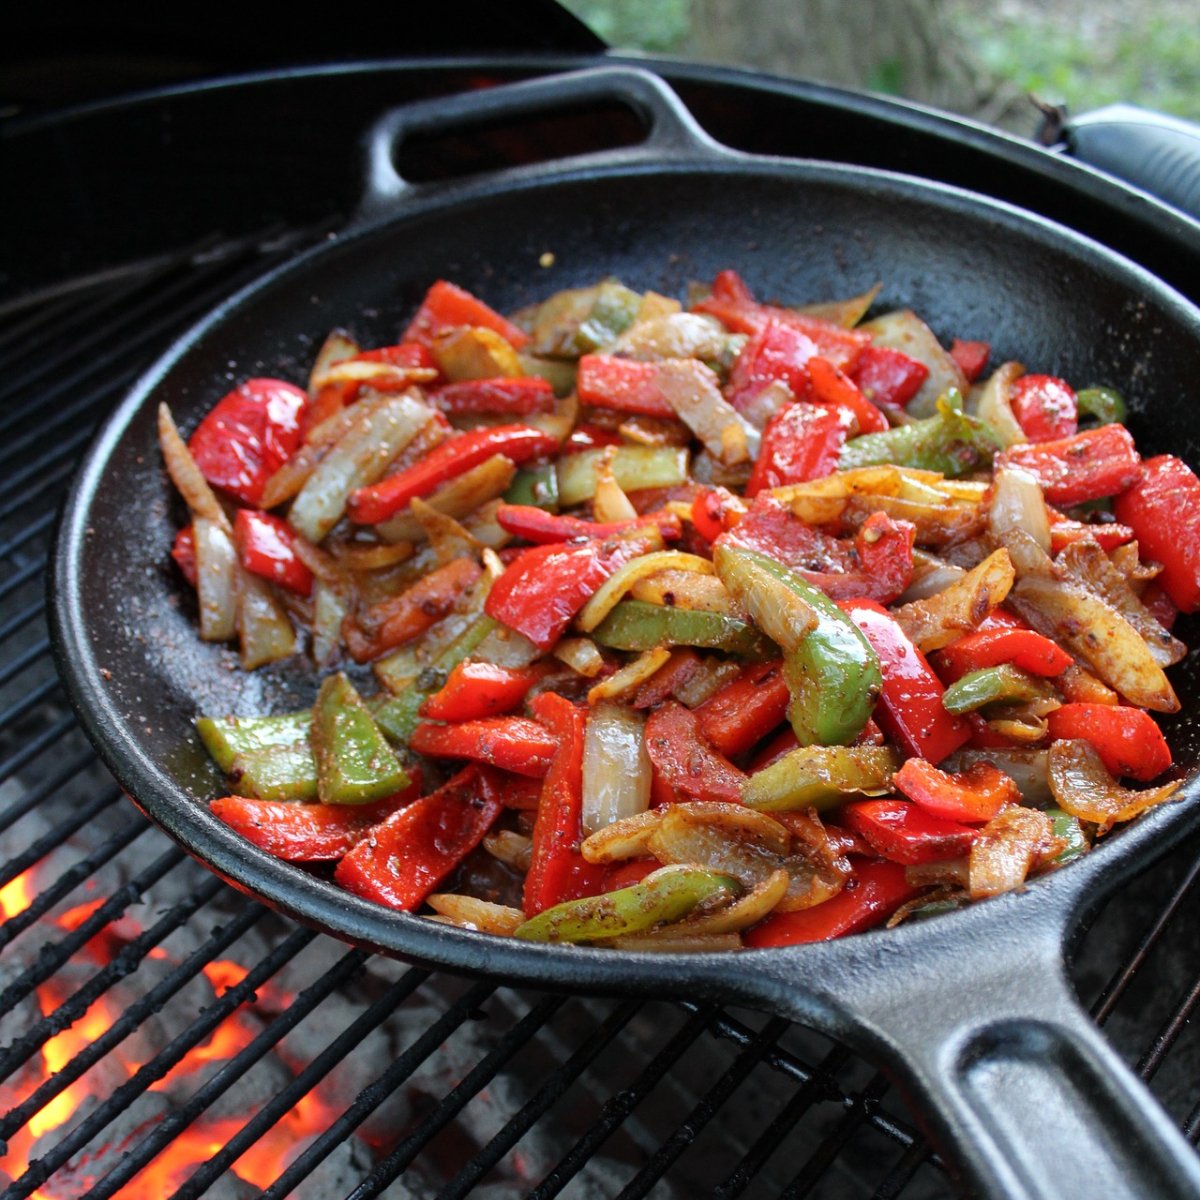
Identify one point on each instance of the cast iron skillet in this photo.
(972, 1013)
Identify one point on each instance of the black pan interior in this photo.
(126, 630)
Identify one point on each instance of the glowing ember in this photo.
(16, 897)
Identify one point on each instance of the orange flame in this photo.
(16, 897)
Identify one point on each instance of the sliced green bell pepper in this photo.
(638, 625)
(821, 777)
(1106, 405)
(950, 442)
(355, 764)
(537, 486)
(831, 670)
(662, 898)
(277, 772)
(990, 685)
(225, 737)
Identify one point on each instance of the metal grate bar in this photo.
(316, 1070)
(619, 1107)
(1107, 1000)
(132, 1017)
(54, 954)
(36, 745)
(26, 659)
(30, 531)
(22, 618)
(812, 1171)
(805, 1097)
(30, 570)
(29, 702)
(69, 881)
(36, 795)
(391, 1167)
(907, 1165)
(25, 496)
(705, 1109)
(553, 1090)
(42, 322)
(208, 1019)
(174, 1123)
(38, 850)
(51, 465)
(1165, 1038)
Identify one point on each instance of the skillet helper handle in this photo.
(671, 131)
(1158, 153)
(1023, 1095)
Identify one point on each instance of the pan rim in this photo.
(320, 903)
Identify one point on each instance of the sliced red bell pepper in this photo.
(590, 437)
(398, 619)
(557, 870)
(674, 673)
(521, 792)
(1093, 464)
(308, 832)
(249, 435)
(446, 306)
(887, 376)
(971, 357)
(399, 367)
(877, 563)
(801, 442)
(984, 737)
(518, 397)
(184, 553)
(732, 303)
(267, 546)
(1128, 740)
(407, 856)
(834, 388)
(873, 892)
(990, 647)
(370, 505)
(1045, 408)
(910, 707)
(745, 709)
(545, 587)
(682, 755)
(537, 525)
(514, 744)
(715, 510)
(1108, 535)
(479, 689)
(621, 384)
(1163, 510)
(973, 797)
(626, 874)
(904, 833)
(776, 353)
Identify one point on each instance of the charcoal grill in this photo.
(153, 1020)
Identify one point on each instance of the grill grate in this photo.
(159, 1035)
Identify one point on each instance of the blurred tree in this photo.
(910, 48)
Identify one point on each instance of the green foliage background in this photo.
(1083, 55)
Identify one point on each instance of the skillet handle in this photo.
(672, 133)
(1021, 1092)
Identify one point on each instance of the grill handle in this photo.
(1016, 1086)
(1158, 153)
(672, 133)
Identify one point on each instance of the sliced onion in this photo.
(671, 335)
(694, 392)
(507, 648)
(336, 348)
(958, 609)
(674, 588)
(994, 406)
(350, 556)
(629, 677)
(331, 603)
(930, 576)
(616, 767)
(469, 913)
(1083, 787)
(381, 431)
(610, 503)
(318, 441)
(846, 313)
(767, 403)
(581, 655)
(626, 838)
(216, 580)
(1094, 631)
(509, 847)
(265, 631)
(713, 674)
(1019, 506)
(186, 476)
(616, 585)
(1005, 848)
